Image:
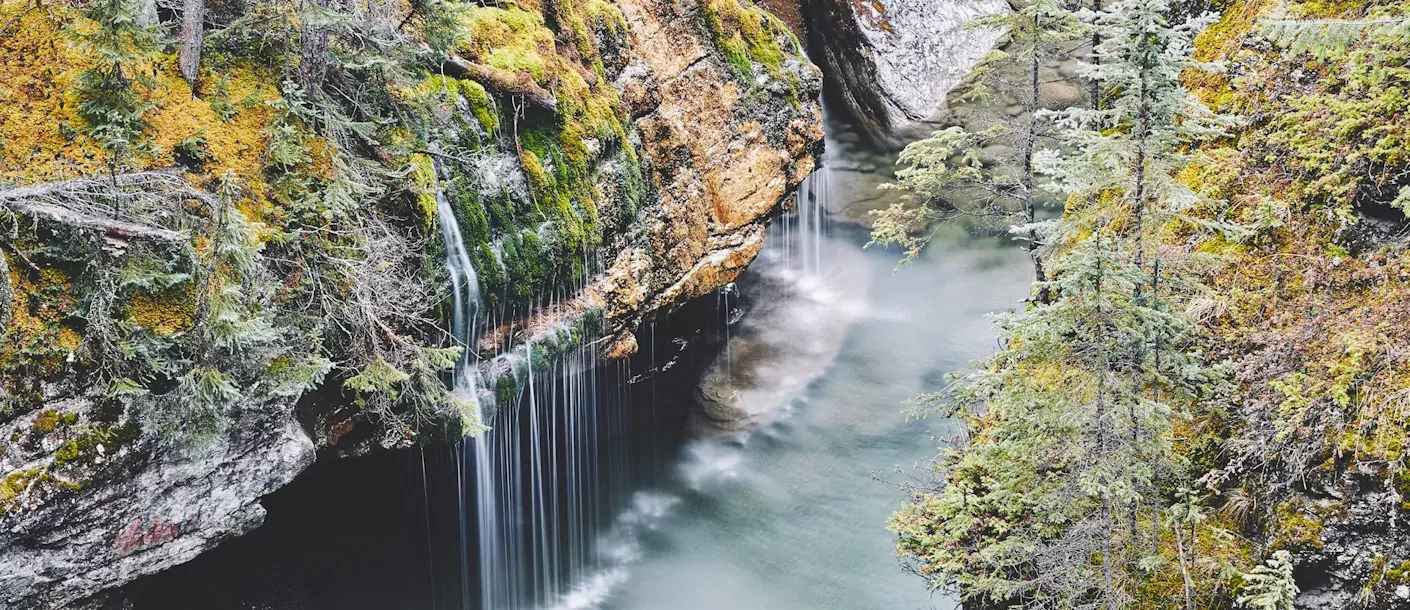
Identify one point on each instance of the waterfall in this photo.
(548, 509)
(798, 236)
(543, 494)
(465, 295)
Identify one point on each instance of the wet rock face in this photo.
(143, 510)
(893, 61)
(1349, 564)
(723, 158)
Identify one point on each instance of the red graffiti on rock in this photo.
(138, 534)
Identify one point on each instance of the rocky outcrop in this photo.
(893, 61)
(722, 131)
(129, 510)
(725, 155)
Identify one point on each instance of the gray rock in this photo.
(159, 509)
(896, 60)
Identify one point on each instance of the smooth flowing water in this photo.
(791, 515)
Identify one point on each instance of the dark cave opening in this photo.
(383, 531)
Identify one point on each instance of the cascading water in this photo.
(546, 508)
(465, 297)
(798, 236)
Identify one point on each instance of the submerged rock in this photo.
(795, 325)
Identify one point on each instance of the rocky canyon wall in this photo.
(604, 160)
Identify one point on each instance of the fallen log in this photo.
(502, 81)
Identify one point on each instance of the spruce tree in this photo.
(1270, 586)
(1133, 144)
(945, 173)
(1039, 508)
(112, 109)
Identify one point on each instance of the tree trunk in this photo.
(1096, 85)
(314, 49)
(147, 14)
(1138, 207)
(1030, 142)
(1155, 456)
(1184, 568)
(502, 81)
(193, 33)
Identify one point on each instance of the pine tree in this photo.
(193, 33)
(945, 172)
(112, 109)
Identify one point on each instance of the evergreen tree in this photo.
(946, 173)
(1270, 586)
(1132, 146)
(1040, 508)
(1328, 37)
(111, 107)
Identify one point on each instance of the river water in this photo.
(792, 515)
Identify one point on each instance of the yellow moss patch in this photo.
(511, 39)
(39, 119)
(423, 175)
(1295, 528)
(236, 145)
(168, 312)
(39, 337)
(39, 125)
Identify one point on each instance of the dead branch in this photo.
(123, 206)
(7, 294)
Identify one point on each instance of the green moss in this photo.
(481, 106)
(534, 171)
(423, 176)
(1400, 574)
(1295, 529)
(508, 38)
(16, 483)
(747, 35)
(68, 452)
(46, 421)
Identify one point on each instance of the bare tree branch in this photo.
(127, 205)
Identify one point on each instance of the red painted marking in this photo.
(137, 534)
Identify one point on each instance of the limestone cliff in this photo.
(252, 274)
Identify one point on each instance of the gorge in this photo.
(683, 191)
(644, 304)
